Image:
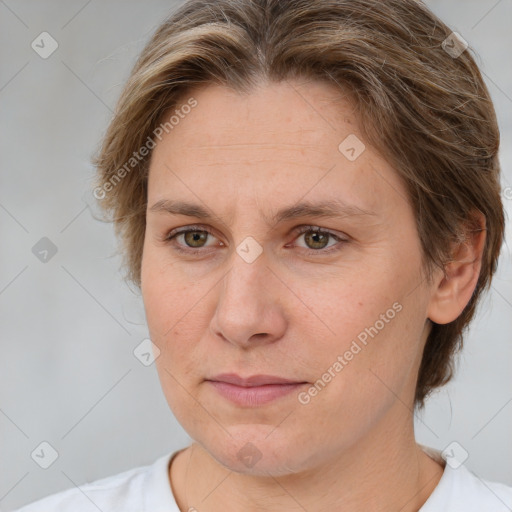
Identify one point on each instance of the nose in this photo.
(249, 308)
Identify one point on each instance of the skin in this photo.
(290, 313)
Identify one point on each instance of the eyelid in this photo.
(185, 229)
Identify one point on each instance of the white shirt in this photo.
(147, 489)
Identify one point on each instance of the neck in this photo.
(385, 470)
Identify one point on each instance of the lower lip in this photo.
(255, 395)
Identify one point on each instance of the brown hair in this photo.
(424, 107)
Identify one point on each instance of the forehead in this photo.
(289, 111)
(280, 143)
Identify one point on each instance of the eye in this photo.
(193, 236)
(317, 239)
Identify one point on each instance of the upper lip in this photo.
(253, 380)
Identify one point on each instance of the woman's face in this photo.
(341, 314)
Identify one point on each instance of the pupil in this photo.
(194, 236)
(317, 239)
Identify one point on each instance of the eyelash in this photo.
(300, 231)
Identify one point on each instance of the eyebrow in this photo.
(330, 208)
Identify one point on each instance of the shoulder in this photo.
(111, 493)
(495, 495)
(462, 490)
(126, 491)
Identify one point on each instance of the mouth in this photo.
(254, 390)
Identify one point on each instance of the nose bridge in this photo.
(246, 307)
(248, 268)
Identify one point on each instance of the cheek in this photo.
(351, 307)
(171, 309)
(369, 326)
(173, 328)
(168, 297)
(356, 382)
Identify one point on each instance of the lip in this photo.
(253, 380)
(254, 390)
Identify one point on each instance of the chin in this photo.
(258, 450)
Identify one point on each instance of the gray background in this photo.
(69, 326)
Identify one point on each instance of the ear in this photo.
(452, 290)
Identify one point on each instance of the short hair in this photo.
(417, 90)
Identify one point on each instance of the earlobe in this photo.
(453, 290)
